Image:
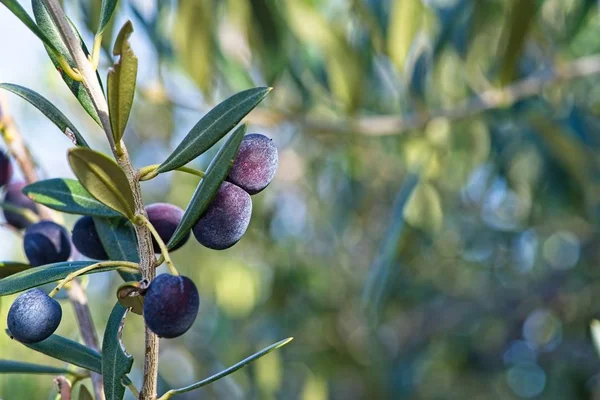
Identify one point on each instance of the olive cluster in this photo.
(170, 302)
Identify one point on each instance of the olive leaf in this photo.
(49, 110)
(38, 276)
(68, 351)
(8, 268)
(213, 126)
(107, 10)
(67, 195)
(119, 241)
(59, 49)
(121, 82)
(116, 363)
(17, 367)
(104, 179)
(209, 185)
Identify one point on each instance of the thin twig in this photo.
(16, 145)
(145, 247)
(386, 125)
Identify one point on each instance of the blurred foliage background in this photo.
(432, 232)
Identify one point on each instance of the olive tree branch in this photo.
(16, 145)
(387, 125)
(145, 248)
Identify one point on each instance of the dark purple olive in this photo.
(86, 239)
(33, 317)
(226, 219)
(6, 170)
(14, 197)
(255, 163)
(46, 242)
(165, 217)
(171, 305)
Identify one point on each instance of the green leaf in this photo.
(129, 296)
(16, 367)
(8, 268)
(69, 196)
(116, 363)
(68, 351)
(121, 82)
(118, 238)
(49, 110)
(106, 12)
(228, 371)
(424, 208)
(103, 178)
(207, 188)
(46, 24)
(213, 126)
(34, 277)
(20, 13)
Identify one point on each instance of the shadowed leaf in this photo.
(69, 196)
(103, 178)
(115, 362)
(16, 367)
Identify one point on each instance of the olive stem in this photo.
(163, 247)
(73, 275)
(148, 172)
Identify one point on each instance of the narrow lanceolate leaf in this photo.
(116, 363)
(213, 126)
(46, 24)
(69, 196)
(16, 367)
(38, 276)
(207, 188)
(104, 179)
(228, 371)
(106, 12)
(68, 351)
(121, 82)
(8, 268)
(49, 110)
(19, 12)
(118, 239)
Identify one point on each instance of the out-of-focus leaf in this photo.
(424, 208)
(46, 24)
(38, 276)
(516, 29)
(207, 188)
(379, 274)
(119, 241)
(194, 41)
(213, 126)
(49, 110)
(576, 21)
(343, 65)
(67, 195)
(121, 82)
(106, 12)
(20, 13)
(129, 297)
(69, 351)
(267, 37)
(417, 68)
(228, 371)
(406, 18)
(595, 330)
(103, 178)
(8, 268)
(16, 367)
(116, 363)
